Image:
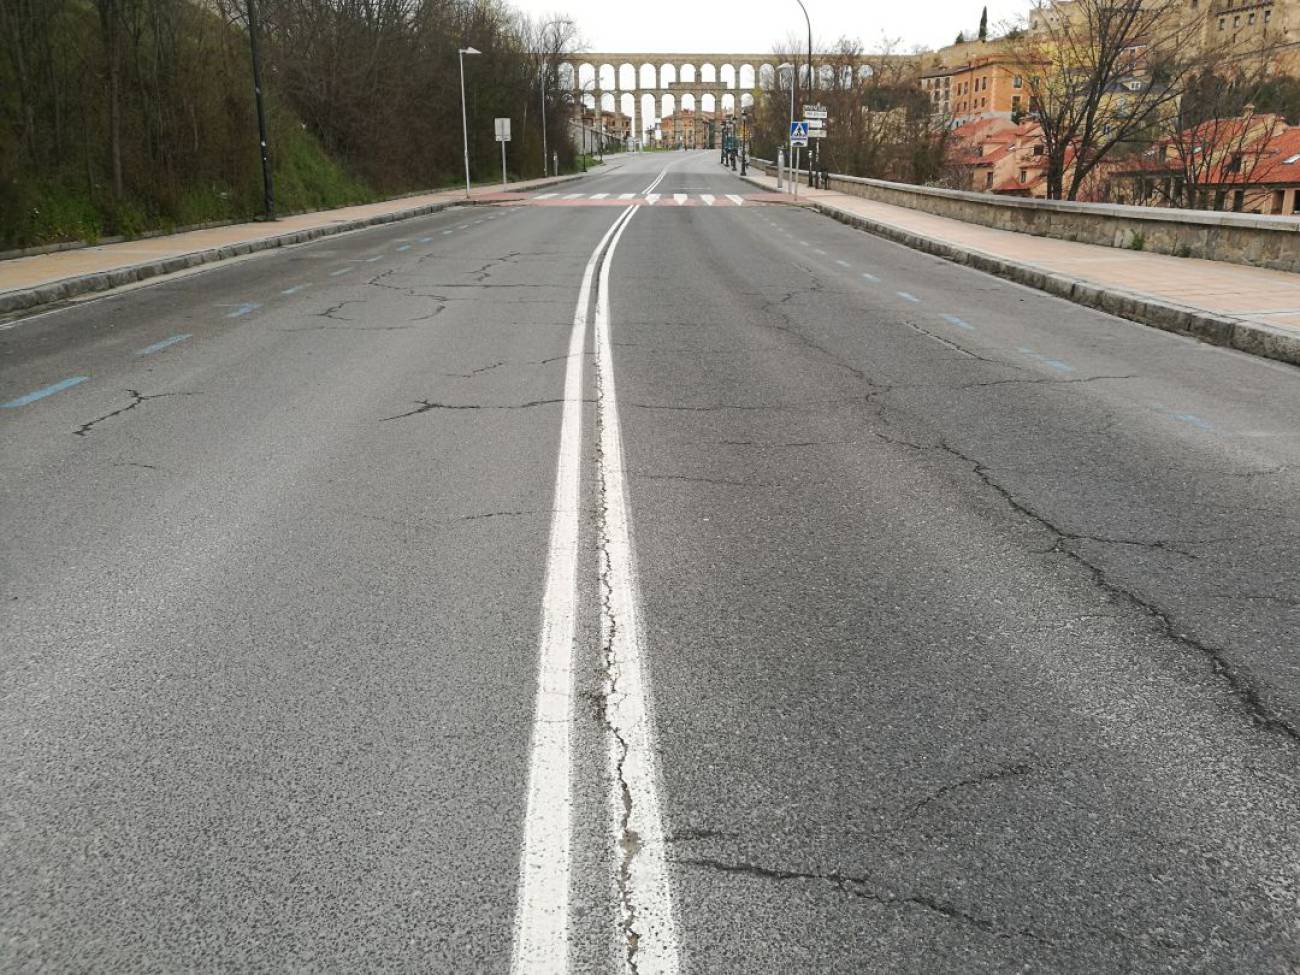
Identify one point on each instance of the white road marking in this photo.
(707, 198)
(546, 196)
(627, 196)
(658, 179)
(600, 196)
(651, 199)
(638, 836)
(908, 297)
(541, 942)
(870, 277)
(573, 196)
(842, 263)
(680, 198)
(738, 200)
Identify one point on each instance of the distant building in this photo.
(975, 80)
(1249, 164)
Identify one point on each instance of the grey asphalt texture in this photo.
(972, 620)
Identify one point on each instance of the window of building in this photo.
(1268, 15)
(1038, 150)
(988, 181)
(1017, 82)
(1236, 21)
(1250, 18)
(1222, 22)
(1024, 175)
(1015, 103)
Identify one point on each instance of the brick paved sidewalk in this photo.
(1237, 291)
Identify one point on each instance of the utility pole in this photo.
(268, 190)
(464, 115)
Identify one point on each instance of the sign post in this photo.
(798, 140)
(503, 136)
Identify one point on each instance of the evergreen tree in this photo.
(984, 25)
(961, 38)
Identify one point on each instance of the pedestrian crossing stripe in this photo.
(647, 199)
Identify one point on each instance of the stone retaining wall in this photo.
(1238, 238)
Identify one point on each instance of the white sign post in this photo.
(503, 136)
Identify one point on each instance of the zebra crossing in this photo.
(644, 199)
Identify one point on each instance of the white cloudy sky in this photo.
(730, 25)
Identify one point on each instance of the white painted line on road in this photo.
(541, 942)
(908, 297)
(871, 277)
(573, 196)
(600, 196)
(707, 198)
(954, 320)
(248, 307)
(546, 196)
(738, 200)
(638, 834)
(652, 198)
(342, 270)
(404, 247)
(295, 289)
(658, 179)
(842, 263)
(446, 232)
(627, 196)
(680, 198)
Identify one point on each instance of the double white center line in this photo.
(648, 932)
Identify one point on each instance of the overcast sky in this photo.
(752, 27)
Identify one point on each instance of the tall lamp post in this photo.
(810, 77)
(268, 192)
(464, 115)
(809, 23)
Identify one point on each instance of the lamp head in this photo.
(470, 50)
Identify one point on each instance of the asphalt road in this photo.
(913, 621)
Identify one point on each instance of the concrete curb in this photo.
(23, 299)
(1255, 338)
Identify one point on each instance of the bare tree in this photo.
(1101, 74)
(1217, 129)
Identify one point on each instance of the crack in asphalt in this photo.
(864, 887)
(332, 310)
(628, 842)
(425, 406)
(778, 307)
(137, 398)
(995, 775)
(474, 372)
(1241, 687)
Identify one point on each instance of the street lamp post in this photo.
(810, 77)
(268, 191)
(464, 114)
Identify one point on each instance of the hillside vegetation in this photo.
(122, 116)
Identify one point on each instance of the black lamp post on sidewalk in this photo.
(268, 190)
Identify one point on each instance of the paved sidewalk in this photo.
(30, 281)
(1266, 299)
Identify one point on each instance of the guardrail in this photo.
(1238, 238)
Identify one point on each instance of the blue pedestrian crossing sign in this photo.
(799, 134)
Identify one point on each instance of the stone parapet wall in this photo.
(1237, 238)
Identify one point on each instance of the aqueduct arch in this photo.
(639, 88)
